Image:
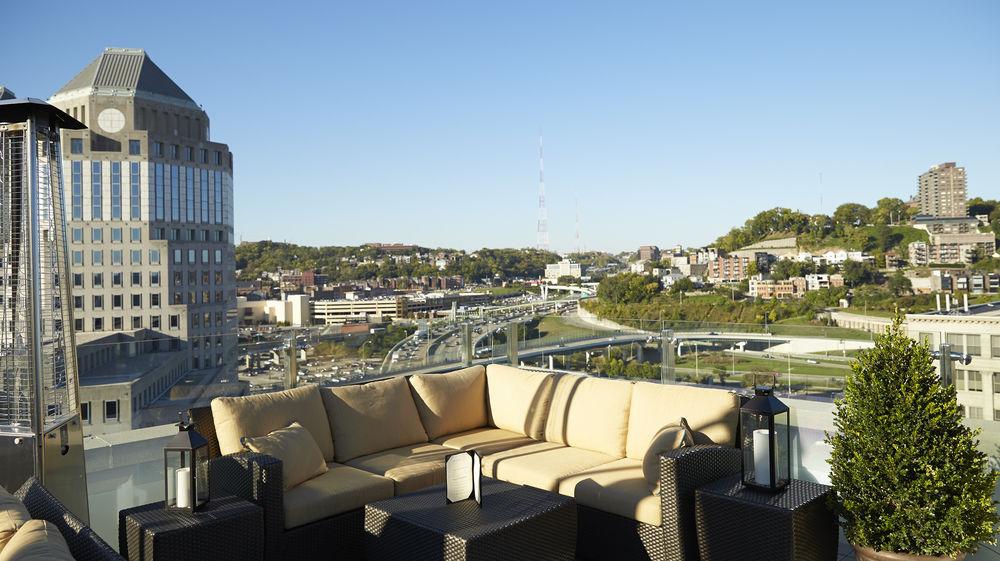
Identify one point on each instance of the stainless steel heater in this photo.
(40, 432)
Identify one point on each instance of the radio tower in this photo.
(543, 215)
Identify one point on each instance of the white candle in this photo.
(762, 456)
(183, 488)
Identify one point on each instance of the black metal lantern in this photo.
(766, 440)
(185, 470)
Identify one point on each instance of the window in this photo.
(85, 412)
(116, 190)
(77, 234)
(136, 278)
(77, 199)
(158, 208)
(116, 301)
(189, 153)
(189, 193)
(204, 256)
(116, 256)
(154, 300)
(178, 257)
(134, 148)
(116, 235)
(135, 234)
(218, 256)
(957, 341)
(192, 255)
(117, 279)
(972, 347)
(192, 278)
(179, 298)
(204, 156)
(996, 382)
(975, 413)
(205, 277)
(137, 300)
(78, 258)
(98, 280)
(111, 411)
(96, 187)
(154, 322)
(98, 302)
(117, 323)
(218, 197)
(154, 257)
(154, 278)
(78, 324)
(76, 146)
(136, 322)
(218, 158)
(78, 302)
(975, 381)
(98, 324)
(175, 194)
(77, 280)
(174, 151)
(995, 346)
(97, 257)
(158, 149)
(136, 257)
(96, 235)
(135, 193)
(175, 321)
(196, 320)
(204, 187)
(206, 297)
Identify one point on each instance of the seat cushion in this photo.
(373, 417)
(340, 489)
(542, 465)
(671, 437)
(257, 415)
(411, 468)
(590, 413)
(517, 399)
(36, 540)
(294, 446)
(712, 414)
(13, 515)
(451, 402)
(484, 440)
(617, 487)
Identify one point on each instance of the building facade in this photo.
(149, 209)
(563, 268)
(731, 268)
(649, 253)
(942, 191)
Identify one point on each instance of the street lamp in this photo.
(946, 359)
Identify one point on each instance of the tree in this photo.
(905, 469)
(889, 210)
(682, 285)
(899, 284)
(856, 272)
(851, 214)
(628, 288)
(568, 280)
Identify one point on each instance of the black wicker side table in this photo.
(514, 522)
(227, 529)
(738, 523)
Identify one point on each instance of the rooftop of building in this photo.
(928, 219)
(989, 309)
(6, 93)
(125, 71)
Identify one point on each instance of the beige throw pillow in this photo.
(670, 437)
(452, 402)
(37, 540)
(13, 515)
(301, 458)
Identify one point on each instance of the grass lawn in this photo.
(556, 327)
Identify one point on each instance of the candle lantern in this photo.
(766, 440)
(185, 470)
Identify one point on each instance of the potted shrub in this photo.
(909, 482)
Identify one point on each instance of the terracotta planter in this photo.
(869, 554)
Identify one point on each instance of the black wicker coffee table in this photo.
(737, 522)
(514, 522)
(228, 529)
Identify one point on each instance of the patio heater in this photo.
(40, 431)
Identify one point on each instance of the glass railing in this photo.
(809, 361)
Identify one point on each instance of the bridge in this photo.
(587, 290)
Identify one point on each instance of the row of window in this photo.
(110, 411)
(194, 298)
(972, 381)
(97, 191)
(135, 257)
(175, 151)
(967, 343)
(134, 147)
(117, 279)
(189, 235)
(976, 413)
(97, 235)
(155, 322)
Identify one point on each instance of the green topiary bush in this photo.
(906, 471)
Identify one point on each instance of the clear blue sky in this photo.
(669, 122)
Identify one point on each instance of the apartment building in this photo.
(769, 289)
(730, 268)
(942, 191)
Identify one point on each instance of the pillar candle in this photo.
(762, 456)
(184, 487)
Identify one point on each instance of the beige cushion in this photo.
(590, 413)
(542, 465)
(372, 417)
(411, 468)
(671, 437)
(257, 415)
(518, 400)
(13, 515)
(712, 414)
(485, 440)
(294, 446)
(452, 402)
(36, 540)
(617, 487)
(340, 489)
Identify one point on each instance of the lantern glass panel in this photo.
(201, 471)
(759, 438)
(174, 462)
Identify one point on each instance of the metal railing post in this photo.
(668, 371)
(467, 344)
(512, 336)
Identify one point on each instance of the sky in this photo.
(664, 122)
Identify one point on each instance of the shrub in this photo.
(906, 471)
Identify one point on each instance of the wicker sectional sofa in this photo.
(580, 436)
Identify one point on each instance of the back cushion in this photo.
(13, 515)
(518, 400)
(452, 402)
(372, 417)
(590, 413)
(258, 415)
(37, 540)
(711, 414)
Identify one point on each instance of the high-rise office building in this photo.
(149, 204)
(943, 191)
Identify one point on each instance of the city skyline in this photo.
(649, 124)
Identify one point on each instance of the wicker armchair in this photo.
(84, 543)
